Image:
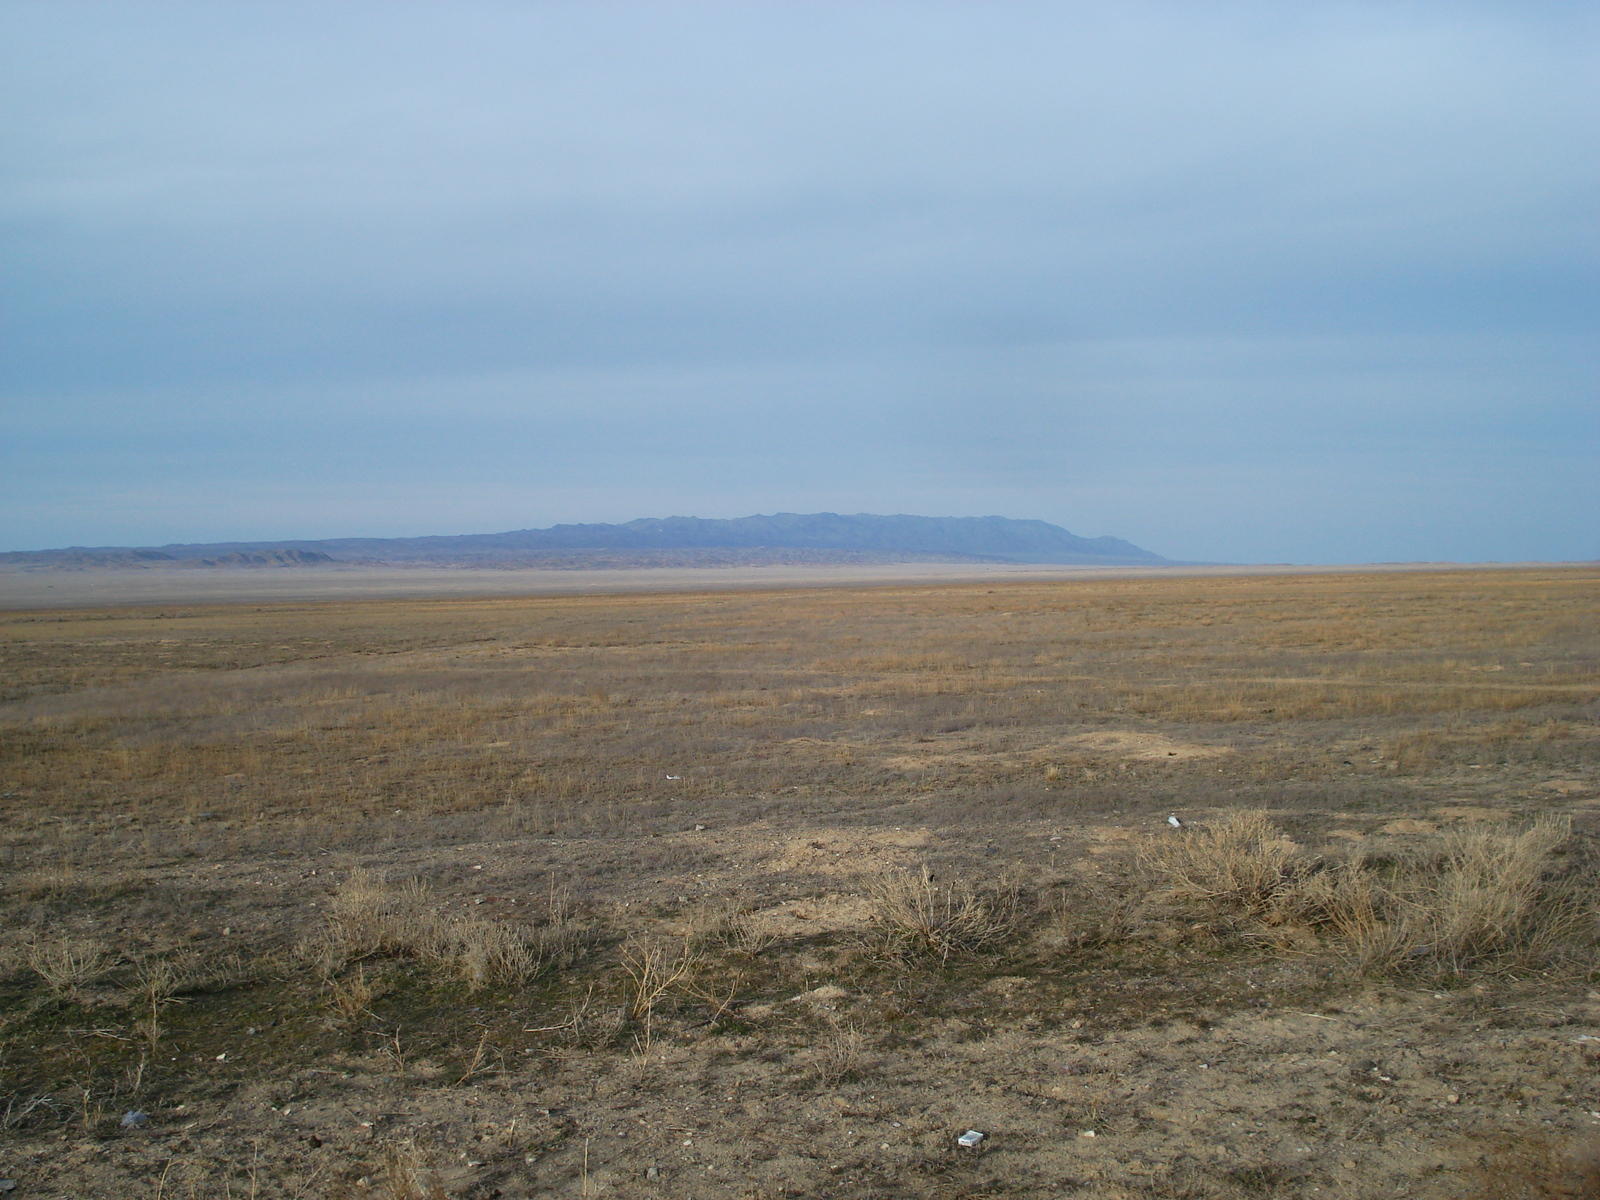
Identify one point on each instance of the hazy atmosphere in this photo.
(1234, 282)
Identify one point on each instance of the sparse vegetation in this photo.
(919, 914)
(1241, 858)
(448, 896)
(367, 917)
(840, 1054)
(69, 964)
(350, 997)
(406, 1174)
(727, 924)
(656, 971)
(1461, 900)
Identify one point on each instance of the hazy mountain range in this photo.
(649, 541)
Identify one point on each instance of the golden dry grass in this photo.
(1242, 858)
(569, 714)
(368, 918)
(921, 914)
(1460, 900)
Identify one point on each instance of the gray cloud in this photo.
(1169, 271)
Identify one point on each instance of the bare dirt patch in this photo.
(1143, 747)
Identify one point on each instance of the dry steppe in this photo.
(777, 893)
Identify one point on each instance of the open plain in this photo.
(777, 893)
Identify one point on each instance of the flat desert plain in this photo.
(1169, 886)
(102, 587)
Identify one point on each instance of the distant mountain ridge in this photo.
(812, 536)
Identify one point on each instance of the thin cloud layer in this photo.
(1239, 282)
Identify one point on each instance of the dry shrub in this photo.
(368, 917)
(1472, 898)
(1491, 891)
(155, 982)
(493, 952)
(592, 1026)
(1418, 752)
(349, 999)
(1351, 901)
(1475, 897)
(407, 1173)
(1092, 914)
(159, 979)
(481, 952)
(1241, 859)
(918, 915)
(840, 1055)
(68, 965)
(656, 970)
(729, 925)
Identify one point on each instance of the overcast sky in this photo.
(1304, 281)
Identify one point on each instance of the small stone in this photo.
(8, 1185)
(1452, 1098)
(652, 1173)
(1348, 1165)
(134, 1119)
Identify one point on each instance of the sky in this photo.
(1238, 282)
